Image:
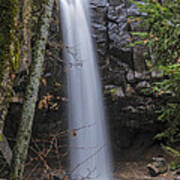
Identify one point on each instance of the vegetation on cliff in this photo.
(161, 34)
(23, 35)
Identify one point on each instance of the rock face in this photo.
(51, 105)
(124, 72)
(129, 103)
(157, 166)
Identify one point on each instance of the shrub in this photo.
(160, 32)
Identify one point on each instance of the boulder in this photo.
(157, 166)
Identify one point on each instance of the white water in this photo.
(89, 143)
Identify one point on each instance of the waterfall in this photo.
(89, 142)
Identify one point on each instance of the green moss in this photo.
(9, 45)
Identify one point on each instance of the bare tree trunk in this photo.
(25, 128)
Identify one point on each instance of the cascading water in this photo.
(89, 143)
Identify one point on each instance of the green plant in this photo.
(159, 30)
(175, 164)
(170, 114)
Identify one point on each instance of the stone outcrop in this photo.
(126, 79)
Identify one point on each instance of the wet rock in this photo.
(99, 26)
(124, 138)
(138, 58)
(130, 76)
(144, 75)
(129, 90)
(112, 14)
(133, 10)
(142, 84)
(119, 40)
(130, 109)
(121, 66)
(115, 91)
(100, 36)
(153, 170)
(156, 74)
(117, 14)
(118, 26)
(139, 75)
(141, 108)
(99, 3)
(177, 178)
(115, 2)
(119, 92)
(157, 166)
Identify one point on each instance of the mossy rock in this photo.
(8, 41)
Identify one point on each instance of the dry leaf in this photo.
(54, 106)
(44, 82)
(45, 101)
(43, 104)
(13, 77)
(48, 96)
(74, 133)
(64, 99)
(66, 178)
(145, 41)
